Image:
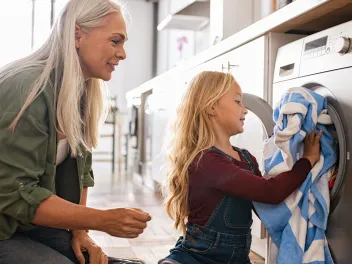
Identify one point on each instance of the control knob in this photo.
(342, 45)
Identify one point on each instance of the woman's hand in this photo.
(312, 147)
(82, 242)
(124, 222)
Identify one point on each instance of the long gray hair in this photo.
(59, 55)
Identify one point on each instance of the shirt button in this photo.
(81, 177)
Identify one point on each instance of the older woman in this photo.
(51, 104)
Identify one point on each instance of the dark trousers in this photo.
(41, 245)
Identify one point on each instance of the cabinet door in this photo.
(247, 64)
(160, 121)
(167, 95)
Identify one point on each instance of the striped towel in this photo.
(297, 225)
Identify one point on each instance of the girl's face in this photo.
(230, 112)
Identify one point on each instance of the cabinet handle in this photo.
(229, 66)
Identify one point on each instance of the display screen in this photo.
(316, 43)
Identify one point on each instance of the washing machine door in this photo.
(338, 225)
(258, 126)
(339, 231)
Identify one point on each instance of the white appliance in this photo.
(323, 62)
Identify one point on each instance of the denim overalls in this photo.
(225, 238)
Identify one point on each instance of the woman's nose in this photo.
(121, 54)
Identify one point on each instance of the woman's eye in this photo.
(238, 101)
(115, 41)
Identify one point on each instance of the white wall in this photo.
(137, 68)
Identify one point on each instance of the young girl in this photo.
(211, 184)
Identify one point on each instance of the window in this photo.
(16, 26)
(15, 30)
(41, 22)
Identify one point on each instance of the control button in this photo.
(327, 50)
(342, 45)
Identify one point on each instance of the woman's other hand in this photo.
(124, 222)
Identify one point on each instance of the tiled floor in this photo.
(157, 238)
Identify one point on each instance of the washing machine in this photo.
(322, 62)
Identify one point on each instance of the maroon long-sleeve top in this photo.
(214, 175)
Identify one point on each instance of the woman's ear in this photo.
(78, 36)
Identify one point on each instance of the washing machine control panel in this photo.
(316, 48)
(324, 51)
(327, 50)
(326, 45)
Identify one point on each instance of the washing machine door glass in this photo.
(258, 126)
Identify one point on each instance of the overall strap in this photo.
(247, 158)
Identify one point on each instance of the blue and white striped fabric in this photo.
(297, 225)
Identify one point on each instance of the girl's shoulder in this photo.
(208, 157)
